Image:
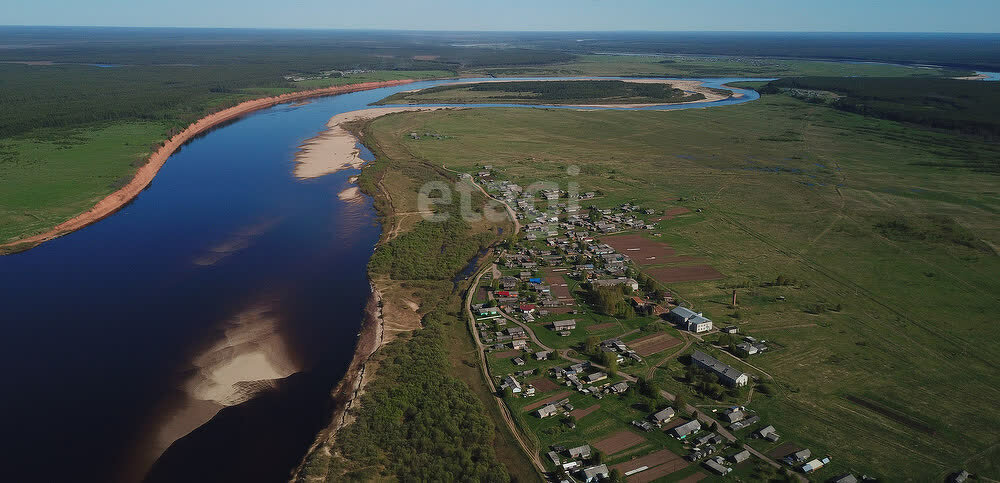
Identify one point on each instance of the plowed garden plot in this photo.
(783, 450)
(641, 250)
(658, 472)
(580, 413)
(538, 404)
(684, 274)
(558, 287)
(695, 478)
(672, 424)
(543, 384)
(597, 327)
(651, 460)
(507, 354)
(618, 442)
(651, 344)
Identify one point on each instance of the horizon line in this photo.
(349, 29)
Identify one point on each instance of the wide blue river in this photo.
(102, 328)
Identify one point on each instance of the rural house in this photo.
(561, 325)
(663, 416)
(727, 374)
(547, 410)
(686, 429)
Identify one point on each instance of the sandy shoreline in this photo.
(336, 148)
(144, 175)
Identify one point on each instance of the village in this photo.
(574, 330)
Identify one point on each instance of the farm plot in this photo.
(580, 413)
(543, 384)
(641, 250)
(550, 399)
(618, 442)
(651, 344)
(507, 354)
(659, 463)
(600, 327)
(558, 286)
(688, 273)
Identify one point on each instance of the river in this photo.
(123, 335)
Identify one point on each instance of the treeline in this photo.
(955, 105)
(586, 89)
(430, 251)
(415, 422)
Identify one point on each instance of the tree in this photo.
(616, 476)
(679, 403)
(591, 344)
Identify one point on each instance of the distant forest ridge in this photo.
(956, 105)
(550, 92)
(176, 45)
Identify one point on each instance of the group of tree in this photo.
(418, 423)
(610, 300)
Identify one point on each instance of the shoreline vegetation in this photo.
(580, 92)
(404, 363)
(145, 174)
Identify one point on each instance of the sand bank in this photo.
(147, 172)
(973, 77)
(336, 148)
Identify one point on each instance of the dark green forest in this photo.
(415, 422)
(560, 92)
(949, 104)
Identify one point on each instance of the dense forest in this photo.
(415, 422)
(79, 76)
(955, 105)
(430, 251)
(554, 92)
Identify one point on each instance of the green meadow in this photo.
(885, 233)
(52, 175)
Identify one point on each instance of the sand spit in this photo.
(249, 357)
(336, 148)
(350, 194)
(972, 77)
(147, 172)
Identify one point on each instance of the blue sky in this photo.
(765, 15)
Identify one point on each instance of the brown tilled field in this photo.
(580, 413)
(618, 442)
(560, 290)
(507, 354)
(673, 424)
(695, 478)
(783, 450)
(538, 404)
(651, 460)
(684, 274)
(543, 384)
(597, 327)
(651, 344)
(658, 472)
(641, 250)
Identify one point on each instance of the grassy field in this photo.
(52, 175)
(878, 217)
(709, 66)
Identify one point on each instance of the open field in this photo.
(651, 344)
(864, 217)
(710, 66)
